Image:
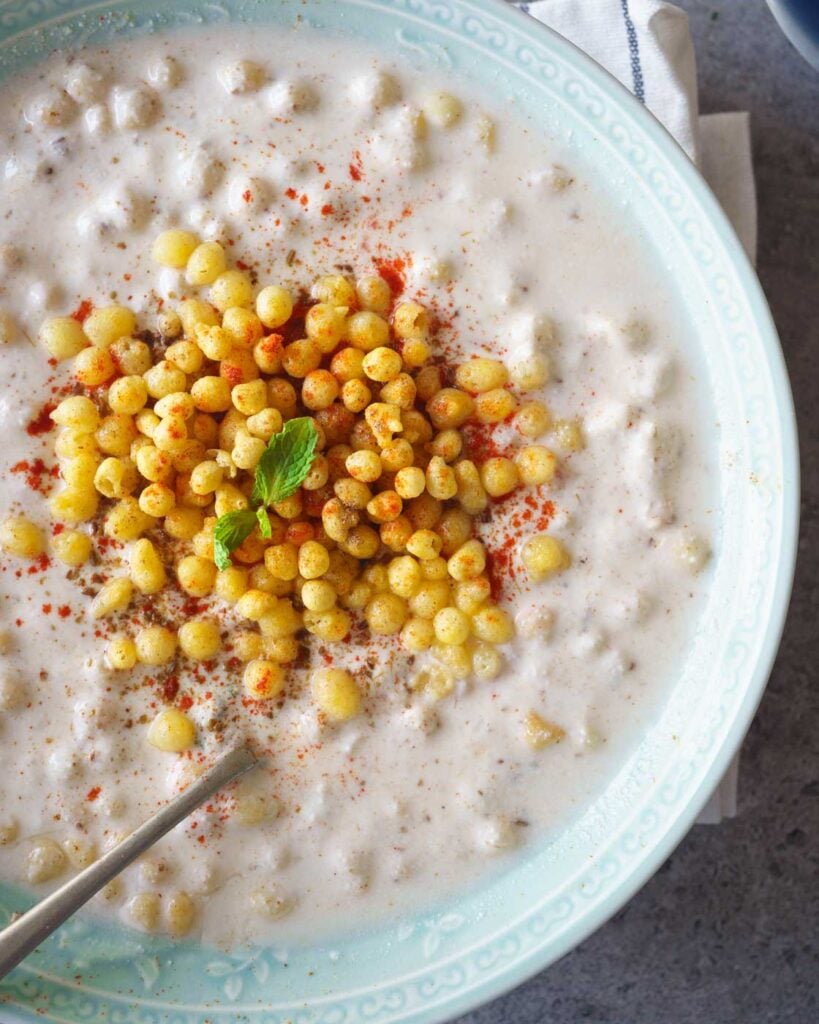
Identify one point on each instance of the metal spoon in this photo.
(26, 933)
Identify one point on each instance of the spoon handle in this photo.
(29, 930)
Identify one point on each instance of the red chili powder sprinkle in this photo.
(303, 199)
(82, 311)
(500, 561)
(480, 443)
(393, 272)
(92, 794)
(327, 210)
(42, 422)
(544, 511)
(192, 607)
(233, 374)
(169, 689)
(500, 567)
(291, 193)
(37, 474)
(356, 172)
(185, 702)
(64, 611)
(247, 195)
(40, 564)
(46, 609)
(242, 265)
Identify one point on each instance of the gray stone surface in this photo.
(726, 932)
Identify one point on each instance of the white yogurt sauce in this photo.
(305, 163)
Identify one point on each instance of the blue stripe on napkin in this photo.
(634, 52)
(638, 82)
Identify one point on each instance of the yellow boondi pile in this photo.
(178, 437)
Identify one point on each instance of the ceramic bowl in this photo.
(450, 957)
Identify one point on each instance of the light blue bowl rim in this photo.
(651, 858)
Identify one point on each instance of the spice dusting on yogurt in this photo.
(342, 415)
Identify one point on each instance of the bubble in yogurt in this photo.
(241, 76)
(651, 378)
(248, 195)
(201, 172)
(431, 269)
(498, 213)
(400, 145)
(44, 295)
(97, 120)
(608, 416)
(11, 258)
(631, 608)
(496, 834)
(375, 90)
(165, 73)
(421, 717)
(632, 335)
(535, 623)
(530, 332)
(692, 552)
(399, 866)
(84, 84)
(134, 106)
(271, 902)
(9, 831)
(13, 691)
(292, 96)
(8, 328)
(122, 208)
(588, 737)
(554, 178)
(614, 664)
(63, 764)
(53, 108)
(203, 878)
(356, 866)
(588, 643)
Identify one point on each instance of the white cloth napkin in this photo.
(647, 46)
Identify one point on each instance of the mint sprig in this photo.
(231, 530)
(285, 462)
(280, 471)
(264, 522)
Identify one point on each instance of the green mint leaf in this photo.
(230, 531)
(264, 522)
(286, 461)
